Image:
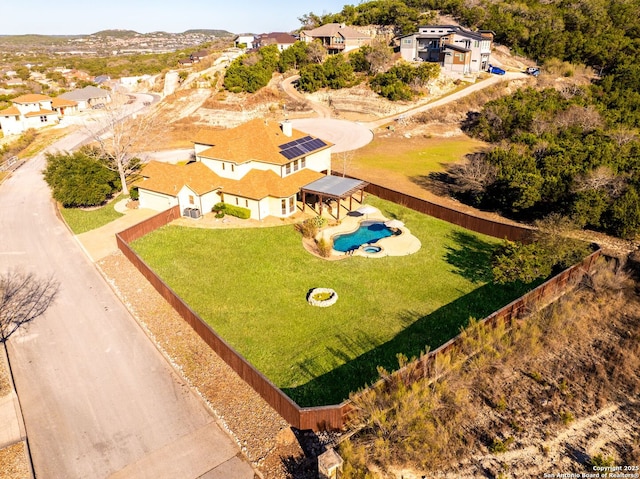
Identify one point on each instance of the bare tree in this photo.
(601, 178)
(379, 56)
(119, 134)
(345, 158)
(23, 297)
(474, 175)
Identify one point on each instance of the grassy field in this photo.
(250, 285)
(413, 157)
(81, 221)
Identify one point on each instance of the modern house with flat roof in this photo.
(456, 49)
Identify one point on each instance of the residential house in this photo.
(456, 49)
(336, 37)
(88, 97)
(282, 40)
(244, 41)
(260, 165)
(28, 111)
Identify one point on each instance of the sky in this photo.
(74, 17)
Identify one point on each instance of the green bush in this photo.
(237, 211)
(79, 180)
(134, 194)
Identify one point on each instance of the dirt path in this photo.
(326, 112)
(287, 86)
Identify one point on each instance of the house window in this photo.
(284, 206)
(237, 201)
(233, 167)
(223, 167)
(43, 119)
(303, 162)
(191, 200)
(292, 205)
(288, 168)
(407, 41)
(476, 44)
(295, 165)
(246, 203)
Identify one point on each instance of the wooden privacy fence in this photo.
(335, 416)
(316, 418)
(460, 218)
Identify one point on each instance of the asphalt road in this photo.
(98, 399)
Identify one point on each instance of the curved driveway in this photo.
(98, 399)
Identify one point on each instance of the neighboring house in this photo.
(100, 79)
(199, 55)
(336, 37)
(64, 107)
(87, 97)
(246, 39)
(282, 40)
(258, 165)
(456, 49)
(29, 111)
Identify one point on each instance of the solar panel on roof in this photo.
(295, 142)
(301, 147)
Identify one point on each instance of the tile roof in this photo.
(333, 29)
(40, 112)
(276, 37)
(31, 98)
(256, 140)
(11, 111)
(59, 102)
(257, 184)
(169, 179)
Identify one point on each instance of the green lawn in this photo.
(250, 285)
(81, 221)
(413, 157)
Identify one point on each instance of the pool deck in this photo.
(396, 245)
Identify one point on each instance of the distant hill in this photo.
(217, 33)
(116, 33)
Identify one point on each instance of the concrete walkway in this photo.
(101, 242)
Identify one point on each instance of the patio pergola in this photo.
(334, 187)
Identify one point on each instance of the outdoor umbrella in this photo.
(395, 224)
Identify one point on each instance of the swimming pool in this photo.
(368, 232)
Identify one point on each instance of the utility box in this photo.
(330, 465)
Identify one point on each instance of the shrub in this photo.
(498, 446)
(134, 193)
(309, 228)
(237, 211)
(325, 247)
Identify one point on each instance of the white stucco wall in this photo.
(11, 125)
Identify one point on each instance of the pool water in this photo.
(369, 232)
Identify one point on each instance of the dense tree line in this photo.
(559, 151)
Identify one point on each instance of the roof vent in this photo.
(287, 129)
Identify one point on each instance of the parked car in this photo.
(496, 70)
(535, 71)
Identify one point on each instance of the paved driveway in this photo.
(98, 399)
(345, 135)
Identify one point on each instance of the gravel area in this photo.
(264, 437)
(13, 462)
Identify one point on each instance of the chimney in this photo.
(287, 129)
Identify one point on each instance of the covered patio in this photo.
(334, 188)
